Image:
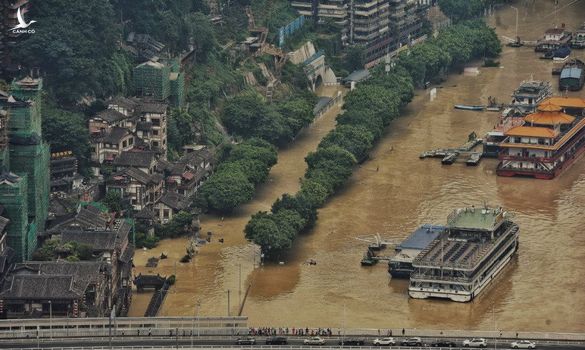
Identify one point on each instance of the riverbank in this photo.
(215, 263)
(541, 290)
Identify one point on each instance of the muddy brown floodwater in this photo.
(541, 290)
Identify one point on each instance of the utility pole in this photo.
(495, 328)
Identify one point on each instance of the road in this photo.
(227, 342)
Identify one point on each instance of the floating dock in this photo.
(451, 155)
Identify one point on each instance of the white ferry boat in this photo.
(462, 261)
(529, 95)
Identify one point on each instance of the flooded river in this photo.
(393, 193)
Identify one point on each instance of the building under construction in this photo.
(381, 26)
(161, 81)
(24, 189)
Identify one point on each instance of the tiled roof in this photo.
(87, 271)
(98, 240)
(174, 200)
(110, 115)
(532, 131)
(41, 287)
(123, 102)
(549, 114)
(139, 159)
(115, 135)
(566, 102)
(152, 107)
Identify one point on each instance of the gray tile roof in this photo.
(138, 159)
(86, 271)
(98, 240)
(152, 107)
(42, 287)
(123, 102)
(174, 200)
(115, 135)
(111, 115)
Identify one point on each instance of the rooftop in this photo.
(486, 219)
(110, 115)
(115, 135)
(532, 131)
(549, 114)
(174, 200)
(42, 287)
(133, 158)
(566, 102)
(421, 237)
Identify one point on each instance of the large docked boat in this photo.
(572, 76)
(400, 265)
(462, 261)
(547, 143)
(524, 100)
(553, 39)
(529, 94)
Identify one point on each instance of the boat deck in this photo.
(453, 253)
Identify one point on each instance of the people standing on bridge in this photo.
(149, 332)
(403, 331)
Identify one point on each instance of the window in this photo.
(155, 144)
(124, 144)
(131, 141)
(155, 122)
(166, 213)
(155, 132)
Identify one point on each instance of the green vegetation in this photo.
(180, 225)
(368, 111)
(243, 166)
(70, 251)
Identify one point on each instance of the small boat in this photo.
(561, 53)
(368, 261)
(473, 159)
(470, 107)
(449, 159)
(493, 109)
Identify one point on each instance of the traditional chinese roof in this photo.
(123, 102)
(115, 135)
(565, 102)
(174, 200)
(549, 114)
(110, 115)
(152, 107)
(138, 159)
(42, 287)
(86, 271)
(532, 131)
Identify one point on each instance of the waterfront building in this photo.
(55, 289)
(548, 143)
(380, 26)
(574, 106)
(467, 257)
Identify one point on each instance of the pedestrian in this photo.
(390, 332)
(516, 335)
(149, 332)
(403, 331)
(378, 332)
(377, 168)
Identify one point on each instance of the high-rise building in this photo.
(28, 171)
(380, 26)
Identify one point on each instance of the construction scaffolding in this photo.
(152, 79)
(13, 193)
(33, 161)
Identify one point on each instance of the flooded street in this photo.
(541, 290)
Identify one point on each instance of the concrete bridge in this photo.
(222, 332)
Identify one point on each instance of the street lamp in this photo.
(197, 305)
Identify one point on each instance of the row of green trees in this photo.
(242, 167)
(249, 115)
(368, 110)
